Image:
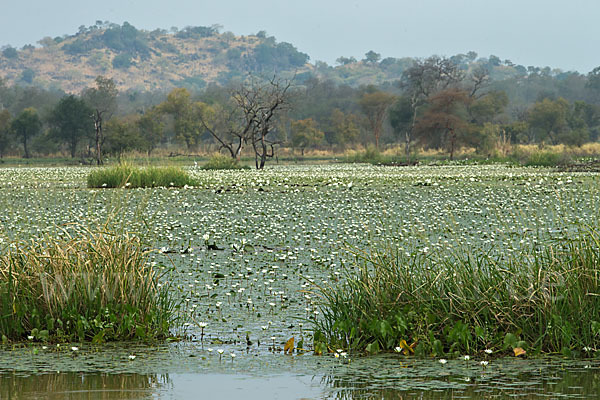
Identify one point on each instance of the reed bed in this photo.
(220, 161)
(128, 176)
(543, 300)
(82, 285)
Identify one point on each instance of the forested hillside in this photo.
(193, 90)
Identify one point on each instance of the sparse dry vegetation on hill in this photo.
(142, 60)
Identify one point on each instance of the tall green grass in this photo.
(445, 304)
(126, 175)
(220, 161)
(85, 285)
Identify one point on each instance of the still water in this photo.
(185, 371)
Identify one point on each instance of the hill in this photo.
(194, 57)
(143, 60)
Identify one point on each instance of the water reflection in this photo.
(382, 377)
(75, 385)
(386, 378)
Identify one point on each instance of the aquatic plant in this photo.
(82, 285)
(452, 302)
(220, 161)
(128, 176)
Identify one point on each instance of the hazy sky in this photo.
(556, 33)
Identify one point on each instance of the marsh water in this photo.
(279, 232)
(186, 371)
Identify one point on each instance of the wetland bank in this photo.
(245, 252)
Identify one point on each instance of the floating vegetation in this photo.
(82, 285)
(128, 176)
(243, 249)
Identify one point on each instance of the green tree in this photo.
(371, 57)
(10, 52)
(345, 127)
(71, 122)
(585, 118)
(488, 107)
(593, 83)
(375, 105)
(25, 126)
(123, 134)
(548, 119)
(345, 60)
(186, 116)
(5, 122)
(518, 132)
(102, 99)
(305, 133)
(401, 115)
(152, 129)
(486, 139)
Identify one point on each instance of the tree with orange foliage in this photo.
(444, 121)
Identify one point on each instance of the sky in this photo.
(555, 33)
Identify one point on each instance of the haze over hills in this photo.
(142, 60)
(194, 57)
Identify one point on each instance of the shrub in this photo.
(125, 175)
(10, 52)
(95, 286)
(451, 304)
(546, 159)
(220, 161)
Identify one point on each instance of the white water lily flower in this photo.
(132, 357)
(466, 358)
(443, 361)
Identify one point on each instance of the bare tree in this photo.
(103, 101)
(228, 125)
(479, 78)
(422, 80)
(249, 119)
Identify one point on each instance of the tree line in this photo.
(437, 103)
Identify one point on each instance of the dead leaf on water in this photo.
(289, 346)
(406, 349)
(519, 351)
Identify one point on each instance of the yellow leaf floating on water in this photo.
(519, 351)
(406, 349)
(289, 346)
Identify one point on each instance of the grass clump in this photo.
(546, 159)
(96, 286)
(220, 161)
(125, 175)
(545, 301)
